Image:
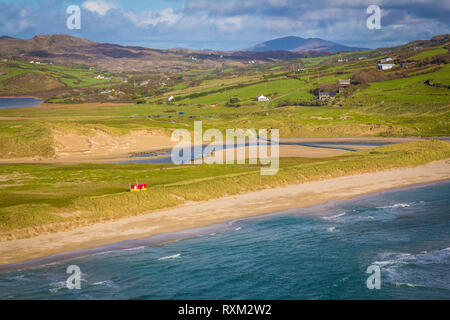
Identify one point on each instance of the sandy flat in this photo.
(100, 147)
(285, 151)
(197, 214)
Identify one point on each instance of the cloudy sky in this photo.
(227, 24)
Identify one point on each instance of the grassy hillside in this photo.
(29, 82)
(429, 53)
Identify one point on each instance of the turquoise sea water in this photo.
(322, 253)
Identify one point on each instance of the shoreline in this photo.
(161, 226)
(23, 97)
(165, 238)
(42, 103)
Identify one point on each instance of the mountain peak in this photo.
(299, 44)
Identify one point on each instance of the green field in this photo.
(72, 77)
(275, 89)
(429, 53)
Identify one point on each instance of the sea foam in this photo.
(175, 256)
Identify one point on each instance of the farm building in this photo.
(344, 82)
(385, 66)
(138, 187)
(144, 83)
(386, 60)
(262, 98)
(326, 94)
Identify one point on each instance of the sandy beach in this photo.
(198, 214)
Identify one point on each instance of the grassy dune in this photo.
(25, 139)
(46, 198)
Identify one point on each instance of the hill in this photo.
(29, 82)
(298, 44)
(68, 50)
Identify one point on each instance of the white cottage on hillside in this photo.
(386, 60)
(344, 82)
(262, 98)
(385, 66)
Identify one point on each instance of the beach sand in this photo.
(205, 213)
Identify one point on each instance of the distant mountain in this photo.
(298, 44)
(64, 49)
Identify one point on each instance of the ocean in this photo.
(322, 252)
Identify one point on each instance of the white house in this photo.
(344, 82)
(171, 98)
(385, 66)
(386, 60)
(262, 98)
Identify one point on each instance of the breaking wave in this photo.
(335, 216)
(175, 256)
(396, 206)
(416, 270)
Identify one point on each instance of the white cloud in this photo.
(231, 24)
(154, 17)
(99, 6)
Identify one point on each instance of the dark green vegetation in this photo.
(46, 198)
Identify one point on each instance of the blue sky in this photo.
(227, 24)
